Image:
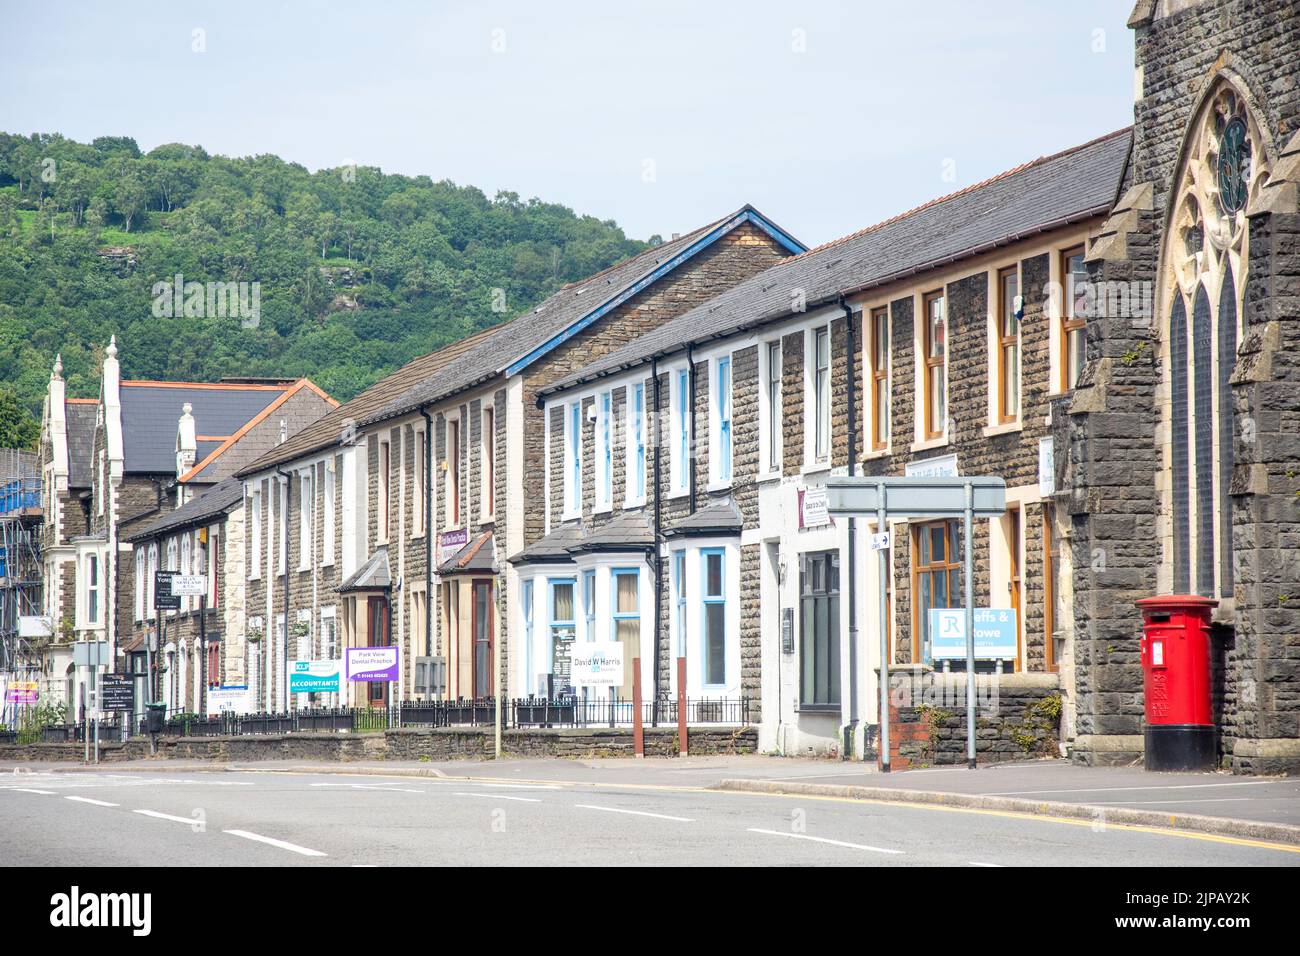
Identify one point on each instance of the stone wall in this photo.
(1017, 717)
(406, 744)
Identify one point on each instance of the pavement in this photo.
(698, 810)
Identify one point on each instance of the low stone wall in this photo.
(443, 743)
(1017, 716)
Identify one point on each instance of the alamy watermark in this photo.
(176, 298)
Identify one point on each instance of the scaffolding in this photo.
(20, 555)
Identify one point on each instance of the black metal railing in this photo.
(529, 712)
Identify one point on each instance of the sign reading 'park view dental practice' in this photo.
(315, 677)
(372, 664)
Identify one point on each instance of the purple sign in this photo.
(450, 541)
(372, 664)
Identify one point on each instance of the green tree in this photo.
(18, 429)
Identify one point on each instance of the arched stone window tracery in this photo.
(1205, 257)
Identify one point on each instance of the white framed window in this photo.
(878, 369)
(282, 524)
(93, 590)
(187, 566)
(329, 633)
(604, 451)
(680, 459)
(327, 525)
(417, 484)
(720, 422)
(212, 563)
(172, 555)
(381, 502)
(452, 470)
(140, 559)
(148, 580)
(573, 460)
(488, 464)
(820, 395)
(636, 445)
(770, 356)
(255, 535)
(306, 511)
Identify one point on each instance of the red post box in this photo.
(1180, 731)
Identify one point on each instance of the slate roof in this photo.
(565, 313)
(720, 517)
(1047, 193)
(371, 575)
(627, 531)
(81, 416)
(553, 548)
(150, 411)
(476, 555)
(486, 354)
(214, 502)
(329, 429)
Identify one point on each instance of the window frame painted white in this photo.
(635, 475)
(721, 421)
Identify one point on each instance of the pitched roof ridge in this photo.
(224, 386)
(960, 192)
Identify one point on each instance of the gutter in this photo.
(284, 655)
(428, 531)
(850, 731)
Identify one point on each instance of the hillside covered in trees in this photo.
(358, 271)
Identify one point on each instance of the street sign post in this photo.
(931, 496)
(117, 693)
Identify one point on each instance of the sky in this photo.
(662, 116)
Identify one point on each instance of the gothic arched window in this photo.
(1204, 270)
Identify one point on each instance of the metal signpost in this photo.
(921, 497)
(91, 655)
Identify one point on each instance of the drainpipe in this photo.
(428, 535)
(284, 656)
(850, 732)
(658, 561)
(690, 377)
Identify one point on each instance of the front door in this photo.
(483, 645)
(377, 636)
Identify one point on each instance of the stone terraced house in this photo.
(357, 520)
(1114, 330)
(115, 465)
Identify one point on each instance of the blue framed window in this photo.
(722, 401)
(683, 431)
(528, 629)
(589, 603)
(638, 438)
(562, 629)
(714, 597)
(679, 596)
(626, 615)
(573, 484)
(606, 493)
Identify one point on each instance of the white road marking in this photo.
(996, 865)
(522, 786)
(635, 813)
(804, 836)
(1175, 800)
(497, 796)
(44, 793)
(369, 786)
(1158, 789)
(272, 841)
(167, 816)
(98, 803)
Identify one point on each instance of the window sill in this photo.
(825, 710)
(929, 443)
(567, 516)
(1006, 428)
(876, 454)
(768, 476)
(715, 486)
(815, 468)
(633, 503)
(602, 510)
(678, 494)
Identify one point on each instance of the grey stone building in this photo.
(455, 436)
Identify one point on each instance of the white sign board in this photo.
(596, 664)
(231, 699)
(34, 625)
(943, 467)
(90, 653)
(880, 541)
(194, 585)
(812, 508)
(1046, 467)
